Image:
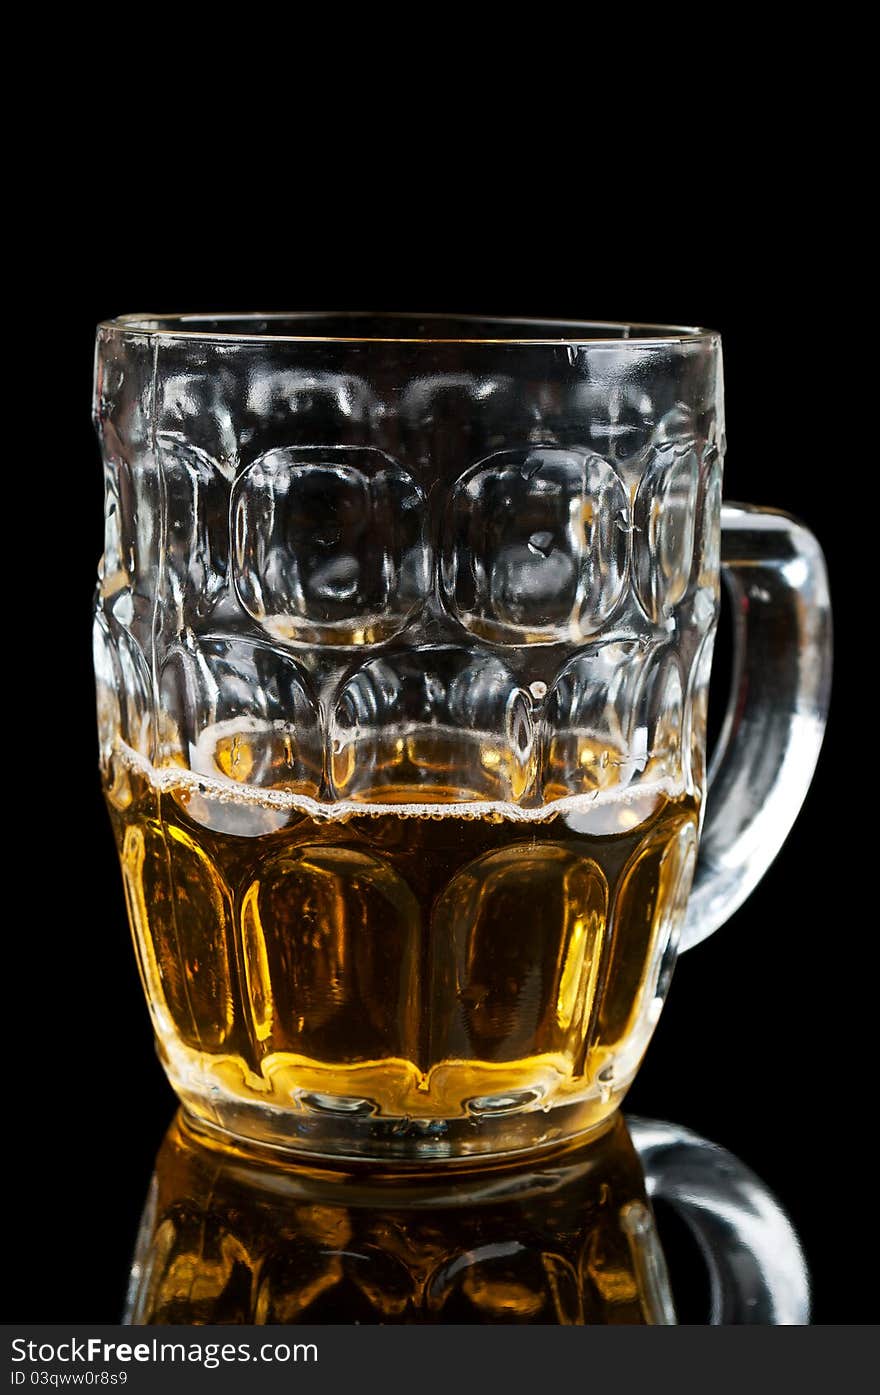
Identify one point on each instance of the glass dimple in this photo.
(440, 725)
(531, 553)
(330, 545)
(664, 521)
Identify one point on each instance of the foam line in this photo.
(167, 779)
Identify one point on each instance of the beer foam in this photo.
(172, 779)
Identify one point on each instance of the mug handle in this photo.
(769, 744)
(757, 1270)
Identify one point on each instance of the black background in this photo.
(763, 1044)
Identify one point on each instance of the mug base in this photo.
(339, 1136)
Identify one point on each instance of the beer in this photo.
(418, 969)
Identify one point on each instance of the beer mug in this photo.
(403, 637)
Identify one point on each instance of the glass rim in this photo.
(585, 333)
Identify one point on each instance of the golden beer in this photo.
(428, 970)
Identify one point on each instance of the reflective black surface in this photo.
(566, 1237)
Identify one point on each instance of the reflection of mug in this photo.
(567, 1237)
(403, 642)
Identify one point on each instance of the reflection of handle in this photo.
(756, 1266)
(767, 752)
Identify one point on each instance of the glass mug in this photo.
(403, 638)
